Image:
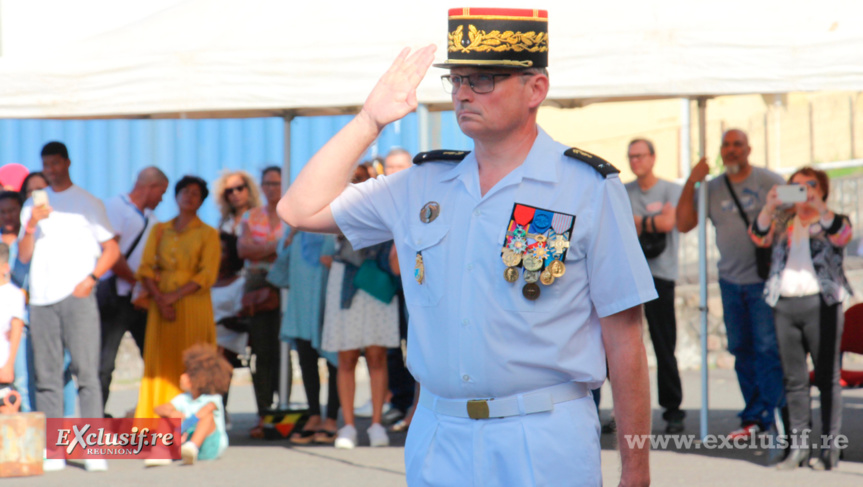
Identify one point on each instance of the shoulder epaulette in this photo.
(440, 155)
(601, 165)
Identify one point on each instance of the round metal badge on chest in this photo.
(429, 212)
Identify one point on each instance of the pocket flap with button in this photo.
(424, 240)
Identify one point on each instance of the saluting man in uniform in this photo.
(527, 272)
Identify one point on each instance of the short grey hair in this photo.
(647, 142)
(542, 71)
(397, 151)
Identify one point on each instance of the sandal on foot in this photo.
(325, 437)
(303, 437)
(257, 432)
(401, 425)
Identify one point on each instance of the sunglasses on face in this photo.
(811, 183)
(230, 191)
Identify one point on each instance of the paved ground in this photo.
(250, 462)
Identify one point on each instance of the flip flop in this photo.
(401, 425)
(257, 432)
(325, 437)
(303, 437)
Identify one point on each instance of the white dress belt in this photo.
(537, 401)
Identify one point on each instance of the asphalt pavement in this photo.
(261, 462)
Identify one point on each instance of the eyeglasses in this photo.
(633, 157)
(230, 191)
(480, 83)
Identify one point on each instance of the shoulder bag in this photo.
(652, 244)
(763, 255)
(106, 289)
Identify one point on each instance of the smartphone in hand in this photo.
(40, 197)
(791, 193)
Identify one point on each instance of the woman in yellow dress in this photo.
(179, 265)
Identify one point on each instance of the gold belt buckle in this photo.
(477, 409)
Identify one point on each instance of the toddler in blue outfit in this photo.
(207, 377)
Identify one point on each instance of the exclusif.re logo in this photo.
(125, 438)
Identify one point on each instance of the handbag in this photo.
(106, 289)
(141, 298)
(238, 324)
(652, 244)
(763, 255)
(260, 301)
(259, 296)
(371, 279)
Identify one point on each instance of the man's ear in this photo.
(538, 84)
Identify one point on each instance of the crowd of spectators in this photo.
(191, 294)
(93, 270)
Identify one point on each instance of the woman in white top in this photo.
(227, 297)
(806, 287)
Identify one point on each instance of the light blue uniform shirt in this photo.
(472, 334)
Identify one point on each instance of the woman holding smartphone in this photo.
(806, 288)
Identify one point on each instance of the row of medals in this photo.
(532, 264)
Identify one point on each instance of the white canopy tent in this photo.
(220, 58)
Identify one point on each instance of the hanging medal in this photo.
(419, 269)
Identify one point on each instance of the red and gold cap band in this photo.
(504, 37)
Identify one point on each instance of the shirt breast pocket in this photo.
(426, 242)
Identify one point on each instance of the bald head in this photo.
(736, 134)
(150, 185)
(151, 175)
(735, 151)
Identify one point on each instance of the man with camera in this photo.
(653, 201)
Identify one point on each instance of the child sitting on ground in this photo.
(11, 327)
(207, 377)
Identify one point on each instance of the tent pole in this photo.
(702, 263)
(685, 136)
(285, 366)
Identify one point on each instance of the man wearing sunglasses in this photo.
(527, 272)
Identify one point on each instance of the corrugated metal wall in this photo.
(107, 154)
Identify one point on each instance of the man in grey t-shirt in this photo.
(748, 318)
(653, 207)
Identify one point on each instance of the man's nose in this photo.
(464, 91)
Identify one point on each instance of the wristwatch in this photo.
(93, 276)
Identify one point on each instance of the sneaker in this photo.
(378, 435)
(53, 464)
(392, 416)
(747, 431)
(347, 437)
(157, 462)
(189, 452)
(96, 465)
(674, 426)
